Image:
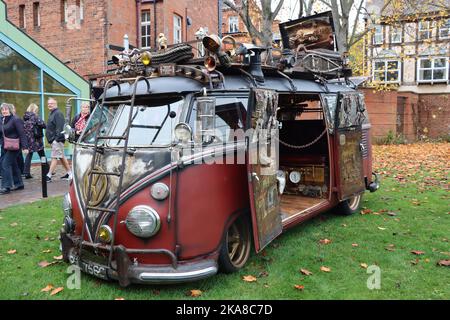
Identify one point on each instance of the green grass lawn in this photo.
(401, 217)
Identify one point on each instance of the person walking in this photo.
(55, 137)
(20, 161)
(14, 140)
(33, 126)
(80, 120)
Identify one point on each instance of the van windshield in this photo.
(151, 123)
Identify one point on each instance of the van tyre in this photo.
(349, 206)
(236, 245)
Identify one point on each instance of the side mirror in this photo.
(205, 122)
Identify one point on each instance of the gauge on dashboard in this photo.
(295, 177)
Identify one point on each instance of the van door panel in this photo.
(348, 140)
(262, 165)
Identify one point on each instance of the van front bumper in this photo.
(125, 271)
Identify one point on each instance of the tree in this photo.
(306, 7)
(264, 34)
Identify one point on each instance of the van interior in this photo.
(304, 154)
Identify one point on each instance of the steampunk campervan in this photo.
(187, 164)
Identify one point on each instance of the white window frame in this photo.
(177, 29)
(386, 70)
(428, 29)
(66, 13)
(379, 34)
(445, 27)
(81, 10)
(233, 24)
(145, 23)
(432, 80)
(395, 34)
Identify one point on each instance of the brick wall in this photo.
(83, 44)
(434, 115)
(410, 115)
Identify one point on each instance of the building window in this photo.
(425, 30)
(378, 35)
(177, 31)
(387, 71)
(22, 16)
(396, 34)
(80, 7)
(36, 14)
(145, 29)
(444, 30)
(233, 24)
(63, 9)
(432, 70)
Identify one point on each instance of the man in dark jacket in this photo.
(55, 137)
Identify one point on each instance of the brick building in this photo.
(78, 32)
(409, 51)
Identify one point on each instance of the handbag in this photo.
(10, 144)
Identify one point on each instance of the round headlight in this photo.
(159, 191)
(105, 234)
(183, 132)
(67, 205)
(143, 222)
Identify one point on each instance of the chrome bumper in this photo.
(126, 272)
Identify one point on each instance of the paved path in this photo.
(33, 189)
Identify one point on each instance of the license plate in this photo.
(94, 269)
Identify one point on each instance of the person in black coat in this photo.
(33, 126)
(11, 127)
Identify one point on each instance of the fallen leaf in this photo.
(381, 228)
(364, 265)
(120, 298)
(2, 238)
(417, 252)
(12, 251)
(58, 257)
(263, 274)
(195, 293)
(47, 288)
(325, 241)
(306, 272)
(427, 260)
(414, 262)
(14, 224)
(444, 263)
(56, 291)
(392, 214)
(355, 245)
(249, 278)
(325, 269)
(43, 264)
(344, 225)
(299, 287)
(366, 211)
(47, 251)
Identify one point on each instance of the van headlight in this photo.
(143, 222)
(67, 205)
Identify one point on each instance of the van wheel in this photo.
(236, 246)
(349, 206)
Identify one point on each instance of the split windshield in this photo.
(151, 123)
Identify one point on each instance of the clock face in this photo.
(295, 176)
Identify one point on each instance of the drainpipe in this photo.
(138, 24)
(154, 18)
(220, 16)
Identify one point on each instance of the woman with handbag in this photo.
(33, 126)
(14, 140)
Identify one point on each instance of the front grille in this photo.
(365, 142)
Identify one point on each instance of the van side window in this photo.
(230, 116)
(352, 111)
